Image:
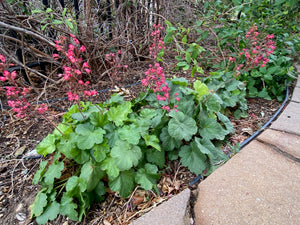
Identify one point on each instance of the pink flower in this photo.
(82, 48)
(231, 59)
(76, 41)
(144, 82)
(72, 97)
(42, 108)
(177, 99)
(262, 65)
(93, 92)
(72, 35)
(85, 65)
(78, 72)
(3, 79)
(88, 70)
(119, 52)
(80, 82)
(2, 58)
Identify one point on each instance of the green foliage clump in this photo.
(119, 144)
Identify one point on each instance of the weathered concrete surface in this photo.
(289, 120)
(288, 143)
(172, 212)
(296, 95)
(257, 186)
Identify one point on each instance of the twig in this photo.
(218, 43)
(22, 30)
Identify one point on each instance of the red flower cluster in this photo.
(155, 77)
(259, 51)
(74, 67)
(16, 96)
(158, 43)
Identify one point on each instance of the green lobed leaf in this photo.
(186, 105)
(100, 190)
(211, 129)
(153, 141)
(181, 126)
(100, 151)
(75, 185)
(82, 116)
(148, 113)
(98, 119)
(66, 129)
(156, 157)
(124, 183)
(54, 171)
(224, 119)
(68, 207)
(110, 167)
(215, 155)
(147, 176)
(119, 114)
(37, 207)
(50, 213)
(168, 143)
(126, 155)
(111, 134)
(116, 98)
(40, 172)
(65, 147)
(201, 89)
(213, 103)
(130, 134)
(91, 174)
(47, 145)
(87, 136)
(193, 158)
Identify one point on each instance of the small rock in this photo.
(21, 217)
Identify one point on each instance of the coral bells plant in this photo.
(16, 95)
(155, 80)
(158, 43)
(258, 51)
(155, 77)
(74, 68)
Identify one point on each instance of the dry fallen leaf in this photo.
(136, 200)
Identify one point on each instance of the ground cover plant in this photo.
(118, 145)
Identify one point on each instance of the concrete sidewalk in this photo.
(260, 185)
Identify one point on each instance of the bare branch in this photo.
(22, 30)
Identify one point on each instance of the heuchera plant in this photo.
(119, 144)
(257, 53)
(74, 68)
(17, 96)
